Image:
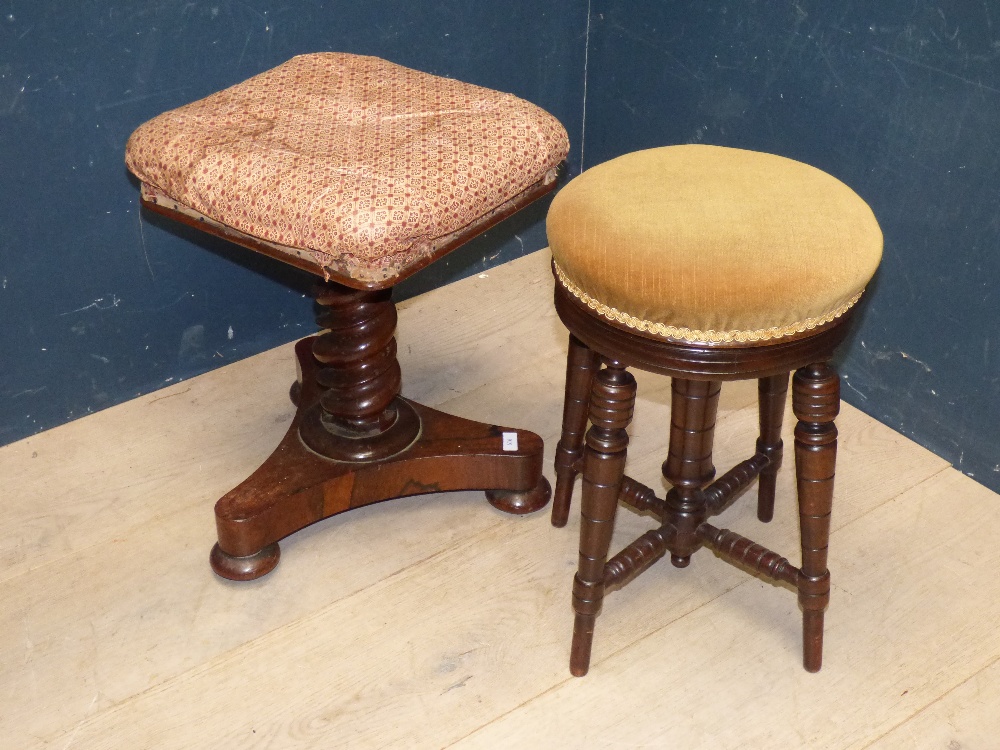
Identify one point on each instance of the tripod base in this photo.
(296, 486)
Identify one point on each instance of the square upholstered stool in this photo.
(705, 264)
(362, 172)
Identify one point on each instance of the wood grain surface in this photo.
(438, 621)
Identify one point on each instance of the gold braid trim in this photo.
(695, 336)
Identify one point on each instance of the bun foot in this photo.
(244, 568)
(521, 503)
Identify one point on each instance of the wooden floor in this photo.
(440, 622)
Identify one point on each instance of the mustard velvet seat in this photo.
(711, 244)
(705, 264)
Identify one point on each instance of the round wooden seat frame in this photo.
(354, 439)
(605, 396)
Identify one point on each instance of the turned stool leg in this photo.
(580, 365)
(611, 404)
(771, 395)
(693, 409)
(816, 402)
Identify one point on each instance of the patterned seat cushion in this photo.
(713, 245)
(361, 163)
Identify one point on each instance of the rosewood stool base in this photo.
(296, 487)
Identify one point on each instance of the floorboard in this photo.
(437, 621)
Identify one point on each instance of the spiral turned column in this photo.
(816, 402)
(359, 417)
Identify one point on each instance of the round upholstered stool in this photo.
(361, 172)
(705, 264)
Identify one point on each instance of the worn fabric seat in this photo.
(712, 244)
(705, 264)
(362, 172)
(362, 165)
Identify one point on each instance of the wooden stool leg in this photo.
(611, 405)
(771, 395)
(693, 408)
(580, 365)
(816, 402)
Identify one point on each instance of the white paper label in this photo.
(510, 441)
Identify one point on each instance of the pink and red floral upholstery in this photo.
(359, 163)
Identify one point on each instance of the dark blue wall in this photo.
(898, 98)
(99, 304)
